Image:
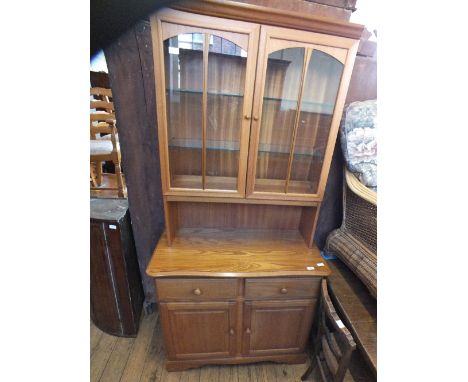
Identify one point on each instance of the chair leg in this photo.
(92, 175)
(311, 368)
(118, 175)
(99, 172)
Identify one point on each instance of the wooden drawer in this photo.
(196, 289)
(282, 287)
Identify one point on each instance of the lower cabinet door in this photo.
(199, 330)
(276, 327)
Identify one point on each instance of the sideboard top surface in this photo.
(210, 252)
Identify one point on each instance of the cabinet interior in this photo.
(260, 220)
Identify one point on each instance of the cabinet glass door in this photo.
(225, 98)
(280, 104)
(321, 84)
(183, 59)
(300, 88)
(207, 111)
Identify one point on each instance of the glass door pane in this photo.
(225, 86)
(183, 59)
(321, 85)
(280, 104)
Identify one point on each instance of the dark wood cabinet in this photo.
(199, 330)
(276, 327)
(115, 282)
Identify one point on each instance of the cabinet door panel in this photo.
(301, 85)
(277, 327)
(204, 84)
(199, 330)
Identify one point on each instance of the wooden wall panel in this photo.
(363, 85)
(130, 63)
(232, 215)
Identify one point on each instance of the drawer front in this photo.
(282, 287)
(196, 289)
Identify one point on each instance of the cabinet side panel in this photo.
(308, 223)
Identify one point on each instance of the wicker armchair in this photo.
(355, 242)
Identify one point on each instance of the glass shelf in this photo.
(234, 146)
(187, 91)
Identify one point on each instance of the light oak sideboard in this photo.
(248, 112)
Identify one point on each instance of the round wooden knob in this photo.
(247, 116)
(231, 331)
(247, 331)
(284, 290)
(197, 292)
(255, 118)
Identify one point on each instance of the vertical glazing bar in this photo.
(206, 45)
(307, 56)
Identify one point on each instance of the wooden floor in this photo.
(142, 359)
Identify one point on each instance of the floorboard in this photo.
(136, 360)
(101, 355)
(142, 359)
(95, 337)
(117, 360)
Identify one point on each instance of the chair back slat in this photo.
(101, 128)
(102, 117)
(334, 346)
(109, 106)
(101, 91)
(330, 358)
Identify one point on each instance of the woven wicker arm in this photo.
(355, 242)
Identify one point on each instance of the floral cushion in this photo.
(359, 141)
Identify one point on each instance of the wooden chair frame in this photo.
(105, 123)
(332, 348)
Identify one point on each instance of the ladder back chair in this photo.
(333, 343)
(104, 147)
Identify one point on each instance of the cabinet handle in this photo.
(197, 292)
(247, 116)
(231, 331)
(284, 290)
(247, 331)
(255, 118)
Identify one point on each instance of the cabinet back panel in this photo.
(233, 215)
